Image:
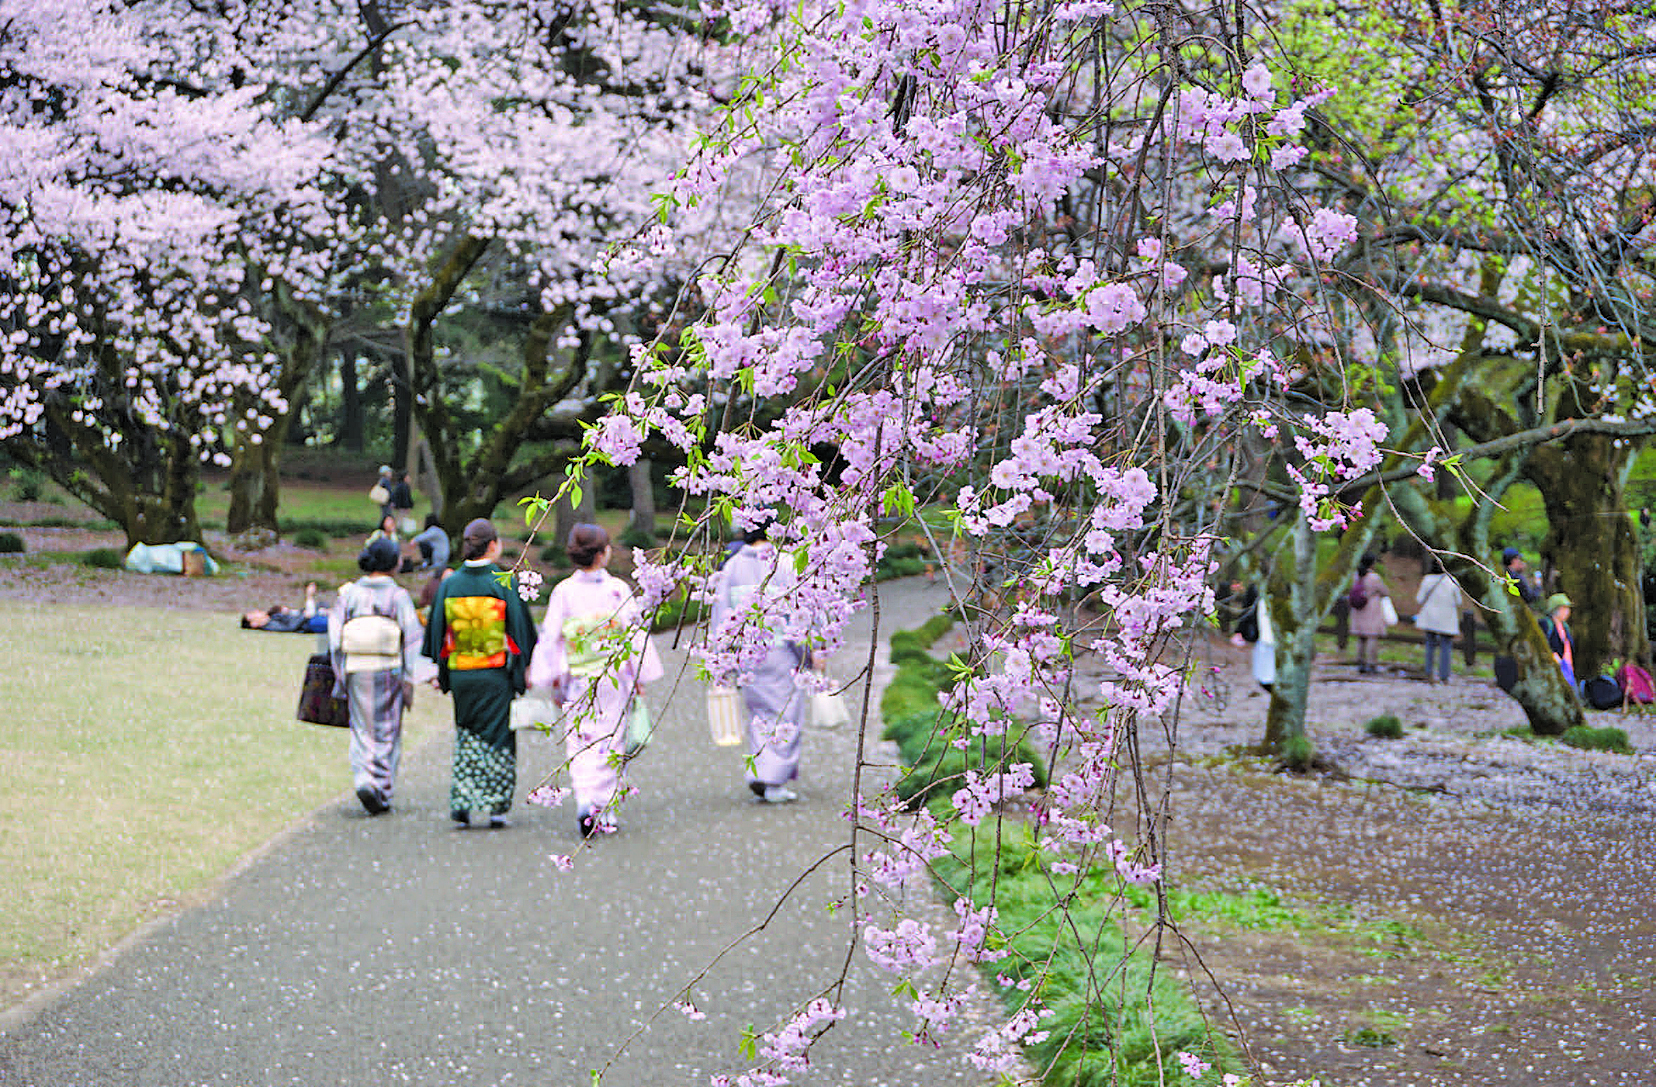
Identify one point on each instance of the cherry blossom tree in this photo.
(1033, 262)
(141, 209)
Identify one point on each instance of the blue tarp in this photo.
(165, 558)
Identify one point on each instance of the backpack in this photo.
(1602, 693)
(1358, 596)
(1636, 684)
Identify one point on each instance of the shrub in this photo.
(313, 538)
(1586, 738)
(1298, 753)
(676, 611)
(11, 544)
(942, 767)
(1384, 727)
(553, 554)
(28, 484)
(637, 537)
(104, 558)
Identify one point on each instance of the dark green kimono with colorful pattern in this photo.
(481, 636)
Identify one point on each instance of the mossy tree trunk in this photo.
(1548, 703)
(1592, 543)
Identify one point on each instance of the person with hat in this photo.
(481, 636)
(1556, 627)
(375, 640)
(1529, 586)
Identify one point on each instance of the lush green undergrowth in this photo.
(1114, 1017)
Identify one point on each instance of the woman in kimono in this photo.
(596, 656)
(775, 704)
(1368, 622)
(374, 639)
(480, 634)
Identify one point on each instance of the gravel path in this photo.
(399, 950)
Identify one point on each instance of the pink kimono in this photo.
(594, 654)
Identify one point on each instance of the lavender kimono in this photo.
(775, 704)
(377, 690)
(595, 654)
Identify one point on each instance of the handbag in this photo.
(724, 715)
(317, 703)
(378, 495)
(1387, 611)
(639, 727)
(534, 710)
(828, 710)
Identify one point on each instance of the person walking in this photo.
(375, 640)
(480, 634)
(1368, 619)
(595, 655)
(753, 587)
(1439, 598)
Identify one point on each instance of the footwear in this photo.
(372, 801)
(779, 794)
(757, 788)
(496, 822)
(586, 825)
(461, 817)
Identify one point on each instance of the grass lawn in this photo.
(145, 751)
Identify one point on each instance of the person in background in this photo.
(433, 543)
(775, 703)
(1556, 626)
(402, 503)
(374, 639)
(382, 486)
(595, 654)
(481, 636)
(1368, 622)
(281, 619)
(1529, 586)
(1438, 618)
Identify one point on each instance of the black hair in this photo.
(760, 531)
(379, 557)
(1366, 564)
(433, 521)
(586, 543)
(477, 537)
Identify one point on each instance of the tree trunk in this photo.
(255, 482)
(643, 517)
(350, 403)
(1547, 701)
(1592, 543)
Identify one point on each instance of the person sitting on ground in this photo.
(433, 543)
(280, 619)
(1529, 586)
(1559, 639)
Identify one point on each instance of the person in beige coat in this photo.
(1369, 621)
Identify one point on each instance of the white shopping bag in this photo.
(724, 715)
(535, 711)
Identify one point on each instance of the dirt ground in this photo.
(1498, 894)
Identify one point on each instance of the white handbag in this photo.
(724, 715)
(1387, 611)
(828, 710)
(535, 710)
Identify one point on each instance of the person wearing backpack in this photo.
(1438, 618)
(1368, 614)
(375, 639)
(1556, 626)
